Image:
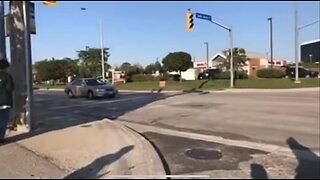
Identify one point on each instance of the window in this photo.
(93, 82)
(77, 82)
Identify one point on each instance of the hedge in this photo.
(270, 73)
(147, 77)
(237, 75)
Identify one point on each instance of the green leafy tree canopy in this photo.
(177, 61)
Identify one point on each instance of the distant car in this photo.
(90, 88)
(209, 74)
(303, 73)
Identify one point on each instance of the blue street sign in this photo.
(203, 16)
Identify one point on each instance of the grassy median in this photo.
(223, 84)
(214, 84)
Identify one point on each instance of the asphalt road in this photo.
(55, 111)
(259, 117)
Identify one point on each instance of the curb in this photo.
(48, 89)
(144, 160)
(235, 90)
(147, 151)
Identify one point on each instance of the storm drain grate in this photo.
(203, 154)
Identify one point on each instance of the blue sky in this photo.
(139, 32)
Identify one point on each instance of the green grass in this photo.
(277, 83)
(215, 84)
(223, 84)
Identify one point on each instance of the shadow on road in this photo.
(202, 84)
(92, 170)
(258, 172)
(54, 111)
(307, 168)
(308, 163)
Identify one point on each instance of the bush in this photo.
(270, 73)
(128, 78)
(147, 77)
(164, 77)
(237, 75)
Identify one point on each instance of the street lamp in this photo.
(296, 40)
(310, 58)
(102, 48)
(207, 45)
(271, 42)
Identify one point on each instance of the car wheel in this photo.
(70, 94)
(90, 95)
(112, 96)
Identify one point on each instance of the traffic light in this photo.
(190, 23)
(50, 3)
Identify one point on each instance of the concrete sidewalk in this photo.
(94, 150)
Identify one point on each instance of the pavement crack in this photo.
(46, 158)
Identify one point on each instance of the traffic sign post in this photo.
(209, 18)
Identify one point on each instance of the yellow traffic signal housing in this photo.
(50, 3)
(190, 23)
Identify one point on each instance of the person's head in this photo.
(4, 64)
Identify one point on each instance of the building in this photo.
(258, 61)
(310, 51)
(216, 60)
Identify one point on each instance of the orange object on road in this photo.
(162, 84)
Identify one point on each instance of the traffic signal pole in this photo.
(29, 78)
(21, 66)
(229, 29)
(3, 53)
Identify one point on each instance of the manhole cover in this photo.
(203, 154)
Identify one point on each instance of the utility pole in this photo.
(102, 52)
(207, 45)
(296, 48)
(3, 53)
(271, 42)
(103, 72)
(231, 60)
(21, 65)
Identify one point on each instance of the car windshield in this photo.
(94, 82)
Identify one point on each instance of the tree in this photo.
(177, 61)
(131, 70)
(153, 67)
(150, 68)
(239, 59)
(158, 66)
(56, 69)
(125, 67)
(90, 61)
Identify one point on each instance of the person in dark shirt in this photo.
(6, 89)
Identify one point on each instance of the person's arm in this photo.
(10, 85)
